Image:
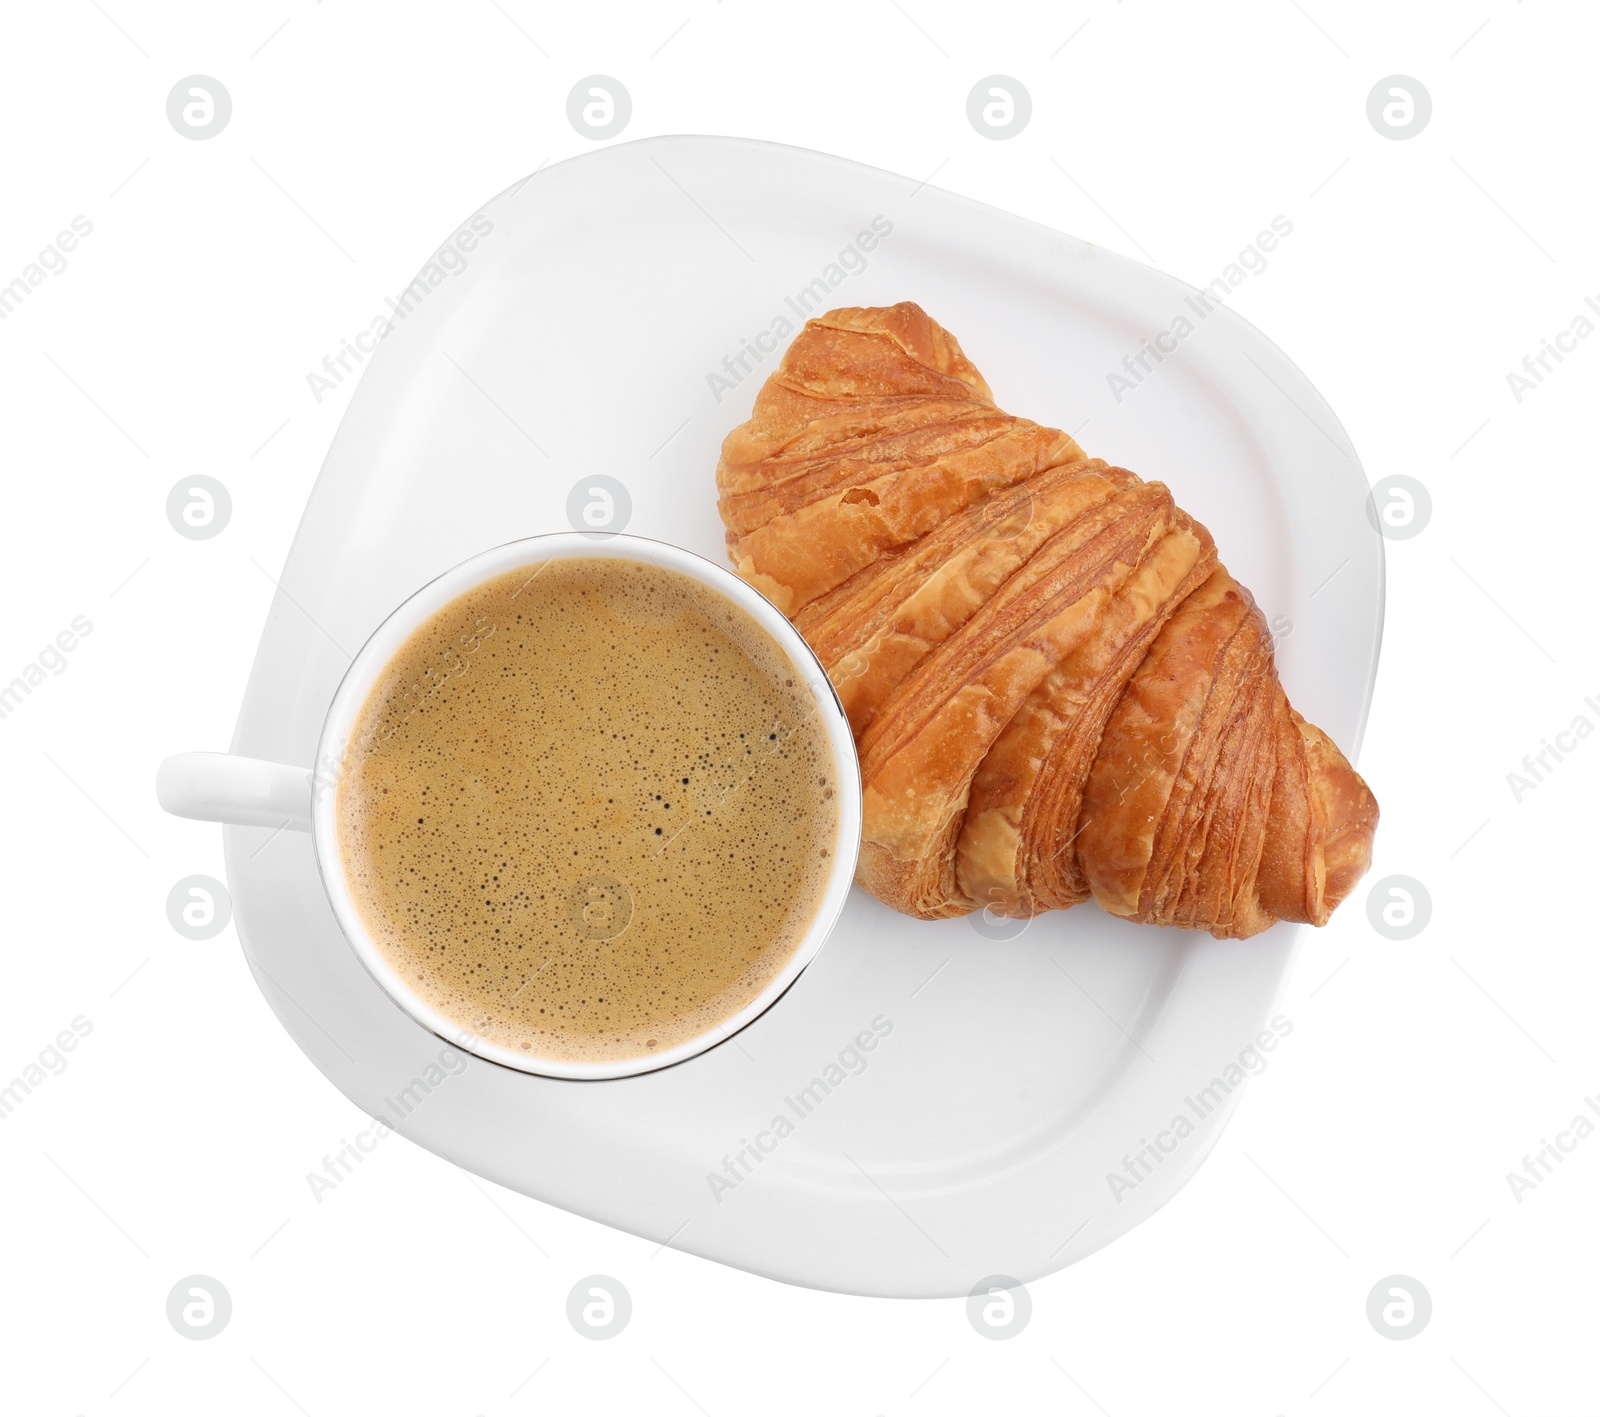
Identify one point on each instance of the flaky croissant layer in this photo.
(1057, 691)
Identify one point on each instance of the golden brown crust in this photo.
(1017, 852)
(1056, 690)
(873, 629)
(874, 429)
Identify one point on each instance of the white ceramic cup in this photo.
(221, 787)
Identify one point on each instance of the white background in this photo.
(177, 341)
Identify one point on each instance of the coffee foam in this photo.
(588, 811)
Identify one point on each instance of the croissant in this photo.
(1057, 691)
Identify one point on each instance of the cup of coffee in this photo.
(585, 808)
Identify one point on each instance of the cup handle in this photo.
(245, 792)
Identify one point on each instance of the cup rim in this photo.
(380, 648)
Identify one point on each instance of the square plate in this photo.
(615, 315)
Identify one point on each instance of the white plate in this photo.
(1015, 1077)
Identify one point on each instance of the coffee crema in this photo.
(588, 810)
